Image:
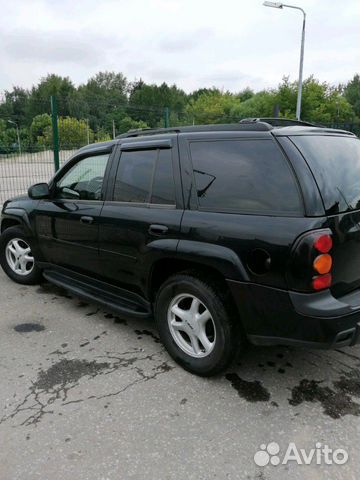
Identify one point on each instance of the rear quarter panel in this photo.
(242, 235)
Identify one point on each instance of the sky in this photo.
(230, 44)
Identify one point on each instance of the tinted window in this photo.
(134, 176)
(145, 176)
(163, 186)
(246, 176)
(84, 180)
(335, 163)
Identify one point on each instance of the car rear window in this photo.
(335, 163)
(244, 176)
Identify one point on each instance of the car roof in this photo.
(299, 130)
(277, 127)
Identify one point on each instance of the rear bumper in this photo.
(316, 320)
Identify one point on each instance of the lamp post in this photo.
(17, 133)
(282, 5)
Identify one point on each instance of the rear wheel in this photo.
(16, 257)
(195, 324)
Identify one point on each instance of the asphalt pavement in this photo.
(87, 395)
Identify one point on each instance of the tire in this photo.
(15, 257)
(195, 299)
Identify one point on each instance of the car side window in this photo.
(244, 176)
(163, 188)
(84, 179)
(145, 176)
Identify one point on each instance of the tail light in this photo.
(323, 243)
(312, 261)
(322, 281)
(323, 262)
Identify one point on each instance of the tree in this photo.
(39, 100)
(336, 109)
(99, 99)
(352, 94)
(39, 125)
(128, 123)
(203, 91)
(147, 102)
(261, 104)
(15, 106)
(6, 139)
(107, 99)
(73, 134)
(321, 102)
(245, 94)
(101, 136)
(212, 107)
(9, 138)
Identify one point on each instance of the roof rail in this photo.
(243, 126)
(136, 132)
(279, 122)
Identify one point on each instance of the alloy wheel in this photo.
(191, 325)
(19, 257)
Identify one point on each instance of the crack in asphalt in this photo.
(160, 369)
(60, 378)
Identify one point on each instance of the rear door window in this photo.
(335, 163)
(163, 188)
(134, 176)
(244, 176)
(145, 177)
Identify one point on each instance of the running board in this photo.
(106, 295)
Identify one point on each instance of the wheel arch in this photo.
(9, 222)
(205, 260)
(15, 217)
(166, 267)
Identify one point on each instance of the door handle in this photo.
(87, 220)
(158, 230)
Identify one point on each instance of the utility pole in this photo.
(166, 117)
(55, 131)
(88, 131)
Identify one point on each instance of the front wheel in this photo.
(16, 257)
(195, 324)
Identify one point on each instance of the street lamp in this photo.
(17, 133)
(282, 5)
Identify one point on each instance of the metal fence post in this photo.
(166, 117)
(55, 132)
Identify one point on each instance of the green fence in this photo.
(35, 143)
(31, 150)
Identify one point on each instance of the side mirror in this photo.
(39, 191)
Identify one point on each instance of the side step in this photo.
(126, 304)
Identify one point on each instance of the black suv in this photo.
(223, 233)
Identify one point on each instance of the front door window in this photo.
(84, 179)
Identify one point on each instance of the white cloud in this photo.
(230, 44)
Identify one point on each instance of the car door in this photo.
(142, 212)
(67, 224)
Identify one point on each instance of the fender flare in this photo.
(223, 259)
(18, 214)
(220, 258)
